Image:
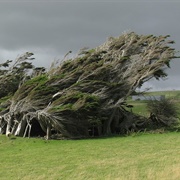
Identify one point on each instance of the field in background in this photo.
(147, 156)
(140, 106)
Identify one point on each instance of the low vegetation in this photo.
(139, 156)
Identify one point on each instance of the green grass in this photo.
(139, 157)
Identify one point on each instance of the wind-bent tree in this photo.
(11, 76)
(85, 96)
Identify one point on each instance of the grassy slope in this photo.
(148, 156)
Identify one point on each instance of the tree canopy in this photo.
(83, 96)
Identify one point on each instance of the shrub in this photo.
(163, 113)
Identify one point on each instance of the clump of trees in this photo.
(84, 96)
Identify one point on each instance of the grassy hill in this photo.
(148, 156)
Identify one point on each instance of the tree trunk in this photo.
(14, 127)
(107, 125)
(3, 125)
(48, 134)
(21, 128)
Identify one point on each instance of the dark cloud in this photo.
(52, 28)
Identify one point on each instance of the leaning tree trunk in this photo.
(9, 121)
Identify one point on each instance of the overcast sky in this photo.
(50, 28)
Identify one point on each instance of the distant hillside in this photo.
(140, 106)
(168, 94)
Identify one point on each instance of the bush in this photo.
(165, 107)
(163, 112)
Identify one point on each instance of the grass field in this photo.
(138, 157)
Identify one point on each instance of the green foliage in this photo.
(62, 107)
(8, 85)
(5, 98)
(28, 86)
(56, 77)
(5, 102)
(37, 80)
(76, 101)
(67, 65)
(15, 73)
(1, 109)
(91, 51)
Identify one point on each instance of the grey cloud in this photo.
(50, 29)
(170, 83)
(60, 24)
